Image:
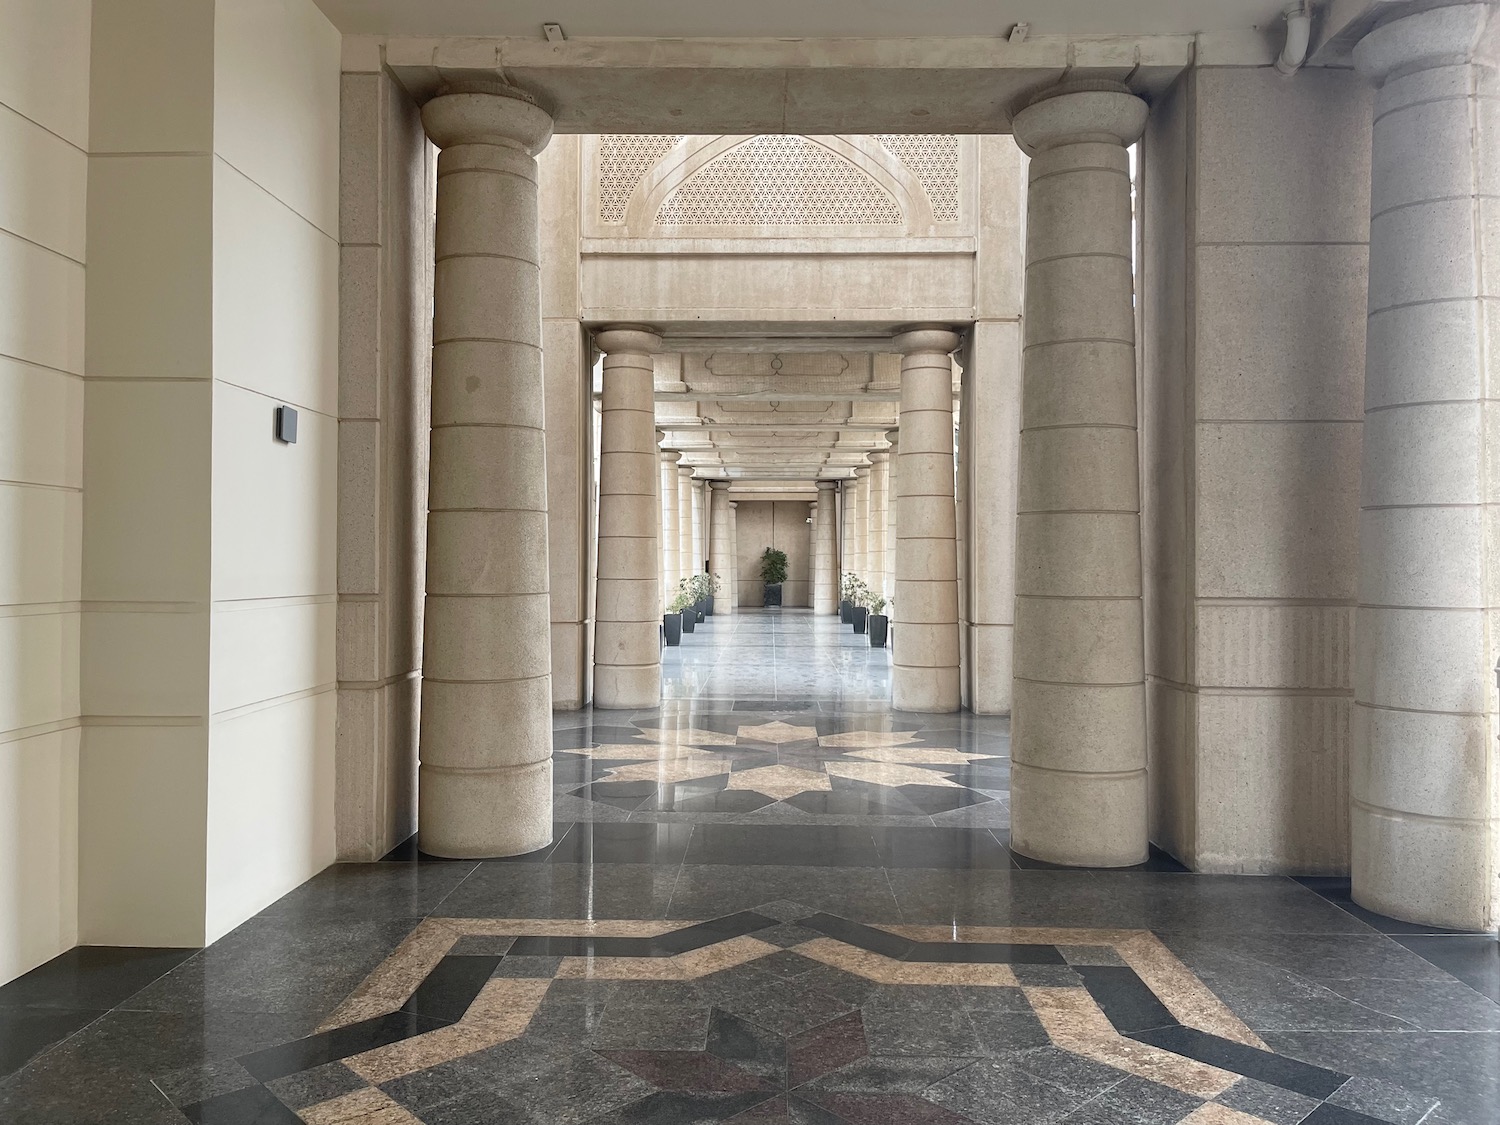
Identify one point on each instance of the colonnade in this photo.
(1424, 821)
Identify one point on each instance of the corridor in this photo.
(774, 900)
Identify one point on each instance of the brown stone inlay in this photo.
(1184, 995)
(1215, 1114)
(368, 1107)
(1075, 1023)
(884, 970)
(683, 966)
(396, 978)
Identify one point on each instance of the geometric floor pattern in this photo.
(772, 899)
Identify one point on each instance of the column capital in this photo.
(717, 483)
(879, 457)
(919, 338)
(1079, 112)
(635, 338)
(828, 484)
(487, 113)
(671, 456)
(894, 437)
(1448, 36)
(861, 471)
(686, 471)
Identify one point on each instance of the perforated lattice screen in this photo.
(933, 159)
(780, 181)
(623, 161)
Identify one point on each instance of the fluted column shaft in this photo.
(720, 564)
(684, 522)
(892, 511)
(925, 662)
(700, 526)
(825, 551)
(846, 527)
(879, 516)
(627, 651)
(861, 565)
(485, 741)
(671, 563)
(1423, 777)
(1079, 708)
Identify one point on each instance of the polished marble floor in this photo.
(773, 900)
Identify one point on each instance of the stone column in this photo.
(879, 507)
(671, 562)
(732, 579)
(720, 563)
(1424, 769)
(486, 726)
(925, 666)
(859, 554)
(892, 510)
(1079, 709)
(700, 526)
(846, 526)
(825, 551)
(627, 650)
(684, 521)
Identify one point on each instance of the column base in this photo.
(1394, 872)
(484, 814)
(1079, 819)
(627, 686)
(932, 691)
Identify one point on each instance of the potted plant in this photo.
(671, 621)
(772, 574)
(859, 594)
(712, 584)
(701, 587)
(846, 598)
(877, 624)
(686, 601)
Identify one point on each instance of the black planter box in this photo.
(672, 625)
(772, 595)
(700, 607)
(877, 625)
(689, 619)
(846, 612)
(708, 605)
(857, 617)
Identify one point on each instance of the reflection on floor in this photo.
(800, 908)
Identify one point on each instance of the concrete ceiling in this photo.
(669, 19)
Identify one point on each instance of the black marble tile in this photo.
(1126, 1001)
(955, 848)
(627, 795)
(91, 977)
(1000, 1091)
(1327, 1114)
(1384, 1101)
(752, 1049)
(1134, 1101)
(199, 1083)
(873, 800)
(652, 1027)
(446, 993)
(984, 953)
(940, 799)
(254, 1105)
(564, 890)
(1269, 1103)
(1475, 960)
(370, 891)
(782, 845)
(1275, 1070)
(681, 1107)
(320, 1084)
(330, 1046)
(27, 1032)
(629, 842)
(679, 798)
(862, 937)
(999, 1032)
(921, 1032)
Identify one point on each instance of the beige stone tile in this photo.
(397, 977)
(1018, 935)
(867, 739)
(668, 771)
(877, 773)
(780, 782)
(634, 751)
(688, 736)
(884, 970)
(1184, 995)
(1215, 1114)
(778, 733)
(915, 755)
(559, 927)
(366, 1106)
(500, 1012)
(684, 966)
(1075, 1023)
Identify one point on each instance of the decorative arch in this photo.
(872, 177)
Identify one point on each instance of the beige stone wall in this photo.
(1255, 230)
(385, 265)
(44, 138)
(781, 524)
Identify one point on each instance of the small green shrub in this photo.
(772, 566)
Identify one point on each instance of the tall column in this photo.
(486, 725)
(1079, 709)
(846, 526)
(671, 562)
(1424, 770)
(892, 509)
(825, 551)
(720, 564)
(684, 521)
(700, 526)
(879, 506)
(925, 667)
(860, 562)
(732, 579)
(627, 649)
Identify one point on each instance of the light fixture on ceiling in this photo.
(553, 32)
